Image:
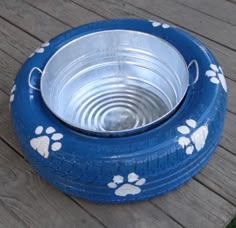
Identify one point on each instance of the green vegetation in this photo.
(232, 224)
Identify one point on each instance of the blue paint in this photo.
(85, 165)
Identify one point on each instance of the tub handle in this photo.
(30, 75)
(194, 61)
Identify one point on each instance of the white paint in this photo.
(42, 143)
(183, 141)
(216, 76)
(127, 189)
(156, 24)
(56, 146)
(211, 73)
(130, 188)
(12, 96)
(199, 137)
(214, 67)
(183, 129)
(112, 185)
(223, 82)
(118, 179)
(215, 80)
(195, 140)
(191, 123)
(132, 177)
(189, 150)
(50, 130)
(141, 182)
(41, 49)
(165, 26)
(45, 44)
(13, 88)
(57, 136)
(38, 130)
(221, 70)
(31, 55)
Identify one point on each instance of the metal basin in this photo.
(114, 82)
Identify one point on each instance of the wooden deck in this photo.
(208, 200)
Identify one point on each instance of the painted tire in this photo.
(127, 168)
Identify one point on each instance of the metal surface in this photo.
(114, 81)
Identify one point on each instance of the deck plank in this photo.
(66, 11)
(194, 205)
(138, 215)
(36, 203)
(29, 19)
(174, 12)
(15, 42)
(120, 9)
(222, 10)
(117, 9)
(220, 174)
(8, 219)
(231, 96)
(232, 1)
(212, 28)
(229, 137)
(8, 66)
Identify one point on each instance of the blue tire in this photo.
(129, 168)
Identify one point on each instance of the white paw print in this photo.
(195, 140)
(12, 96)
(216, 76)
(41, 143)
(40, 49)
(130, 188)
(156, 24)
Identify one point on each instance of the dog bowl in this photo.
(123, 77)
(114, 82)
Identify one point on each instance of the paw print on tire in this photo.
(156, 24)
(12, 96)
(130, 188)
(43, 141)
(195, 140)
(40, 49)
(216, 76)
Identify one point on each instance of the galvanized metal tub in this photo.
(115, 82)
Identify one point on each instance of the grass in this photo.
(232, 224)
